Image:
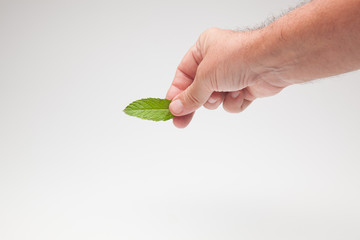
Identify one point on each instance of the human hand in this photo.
(222, 67)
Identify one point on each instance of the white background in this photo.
(74, 166)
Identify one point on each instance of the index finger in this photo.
(185, 72)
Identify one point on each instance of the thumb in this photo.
(191, 98)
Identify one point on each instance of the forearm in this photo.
(319, 39)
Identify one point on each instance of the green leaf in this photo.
(154, 109)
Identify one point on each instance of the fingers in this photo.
(185, 72)
(215, 100)
(187, 94)
(184, 77)
(183, 121)
(237, 101)
(181, 81)
(193, 97)
(233, 102)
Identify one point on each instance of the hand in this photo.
(220, 68)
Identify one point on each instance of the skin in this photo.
(317, 40)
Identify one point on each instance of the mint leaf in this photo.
(154, 109)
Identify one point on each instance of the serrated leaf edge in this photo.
(128, 111)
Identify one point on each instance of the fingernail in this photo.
(176, 106)
(235, 94)
(212, 100)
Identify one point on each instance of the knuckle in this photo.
(193, 100)
(207, 38)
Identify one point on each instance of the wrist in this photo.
(272, 57)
